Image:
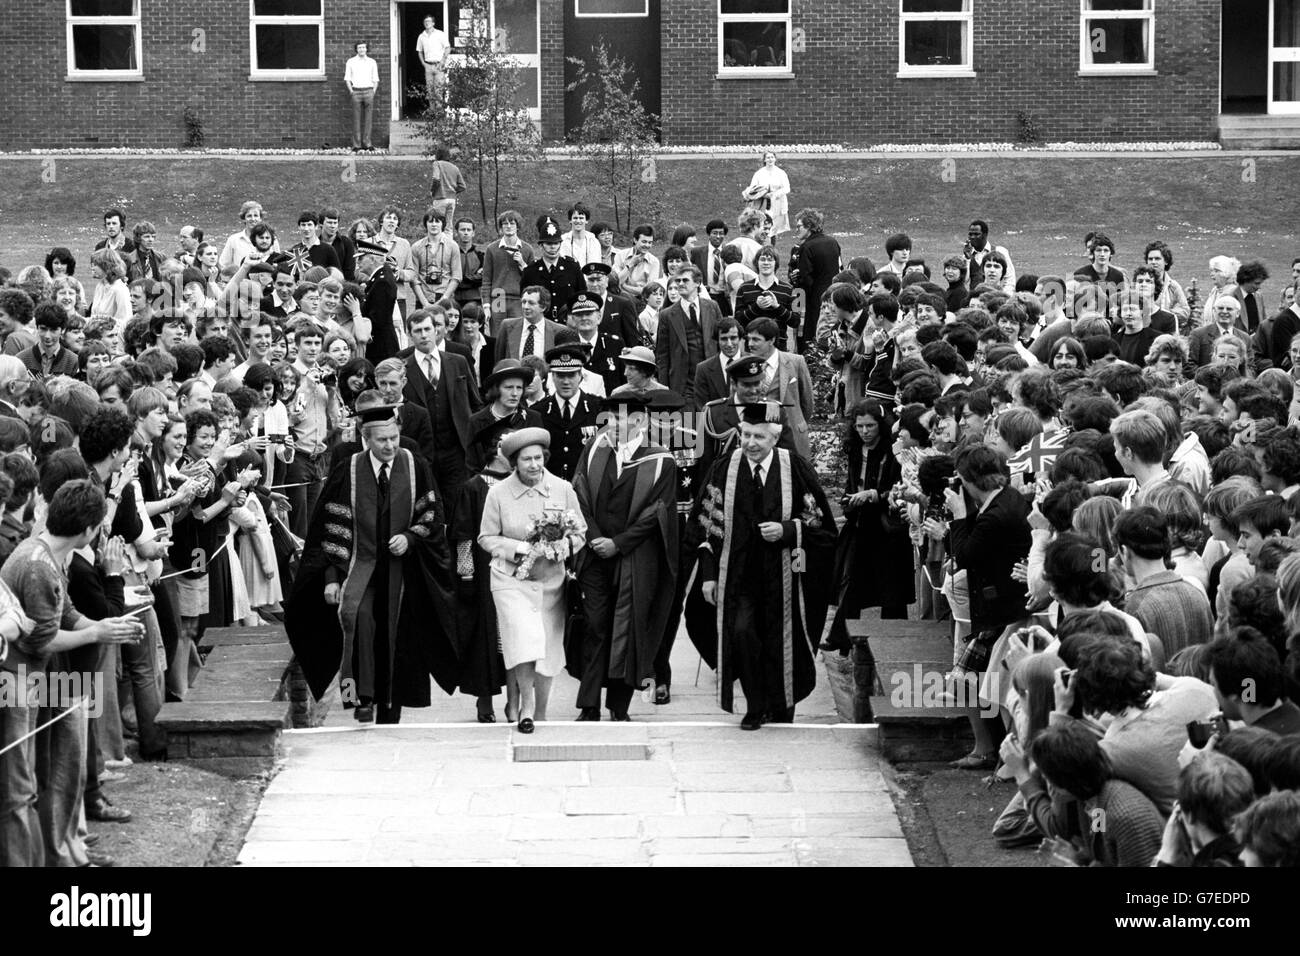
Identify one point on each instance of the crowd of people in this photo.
(485, 463)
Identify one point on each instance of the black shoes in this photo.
(751, 722)
(526, 725)
(487, 718)
(662, 694)
(619, 717)
(589, 713)
(101, 810)
(365, 714)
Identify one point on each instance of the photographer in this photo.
(987, 543)
(438, 263)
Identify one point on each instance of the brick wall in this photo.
(44, 110)
(552, 50)
(1026, 57)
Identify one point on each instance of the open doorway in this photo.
(408, 72)
(1244, 56)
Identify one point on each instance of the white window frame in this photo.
(579, 15)
(756, 72)
(1086, 15)
(256, 72)
(133, 20)
(965, 15)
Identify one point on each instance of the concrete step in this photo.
(558, 742)
(1259, 131)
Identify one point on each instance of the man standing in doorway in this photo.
(432, 47)
(361, 75)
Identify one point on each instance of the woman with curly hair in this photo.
(873, 559)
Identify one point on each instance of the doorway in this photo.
(1245, 41)
(408, 73)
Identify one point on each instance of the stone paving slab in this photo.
(452, 796)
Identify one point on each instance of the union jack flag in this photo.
(298, 260)
(1040, 454)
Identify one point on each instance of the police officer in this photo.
(605, 347)
(618, 313)
(720, 418)
(559, 275)
(570, 414)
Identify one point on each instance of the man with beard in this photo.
(627, 490)
(765, 537)
(377, 552)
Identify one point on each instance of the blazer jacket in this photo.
(676, 370)
(510, 337)
(463, 398)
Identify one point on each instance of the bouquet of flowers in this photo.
(548, 537)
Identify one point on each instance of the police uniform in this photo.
(568, 438)
(605, 349)
(720, 418)
(618, 313)
(564, 281)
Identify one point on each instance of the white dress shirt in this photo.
(432, 46)
(423, 359)
(539, 339)
(361, 73)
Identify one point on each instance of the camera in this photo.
(1199, 732)
(955, 483)
(276, 439)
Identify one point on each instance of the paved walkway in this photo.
(702, 793)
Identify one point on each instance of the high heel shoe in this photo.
(525, 725)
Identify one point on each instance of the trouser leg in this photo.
(746, 652)
(20, 824)
(598, 603)
(138, 665)
(61, 772)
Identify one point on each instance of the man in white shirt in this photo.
(361, 75)
(432, 47)
(637, 267)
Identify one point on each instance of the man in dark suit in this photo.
(444, 344)
(815, 268)
(708, 259)
(687, 335)
(606, 347)
(570, 415)
(390, 380)
(445, 387)
(1250, 277)
(533, 333)
(559, 275)
(618, 313)
(711, 374)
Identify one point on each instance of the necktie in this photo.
(431, 370)
(567, 415)
(690, 310)
(758, 491)
(716, 268)
(530, 341)
(383, 480)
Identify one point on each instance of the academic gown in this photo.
(418, 616)
(482, 669)
(723, 528)
(646, 535)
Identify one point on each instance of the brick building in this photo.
(269, 72)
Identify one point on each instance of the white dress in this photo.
(778, 196)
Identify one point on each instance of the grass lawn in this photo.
(1039, 207)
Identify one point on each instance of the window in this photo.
(611, 8)
(286, 39)
(934, 38)
(754, 37)
(104, 39)
(1115, 36)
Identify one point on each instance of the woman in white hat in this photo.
(530, 609)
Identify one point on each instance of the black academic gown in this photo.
(419, 624)
(731, 552)
(624, 596)
(482, 670)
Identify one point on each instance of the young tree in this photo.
(617, 139)
(484, 119)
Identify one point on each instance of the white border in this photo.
(911, 70)
(132, 20)
(756, 72)
(256, 72)
(1086, 14)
